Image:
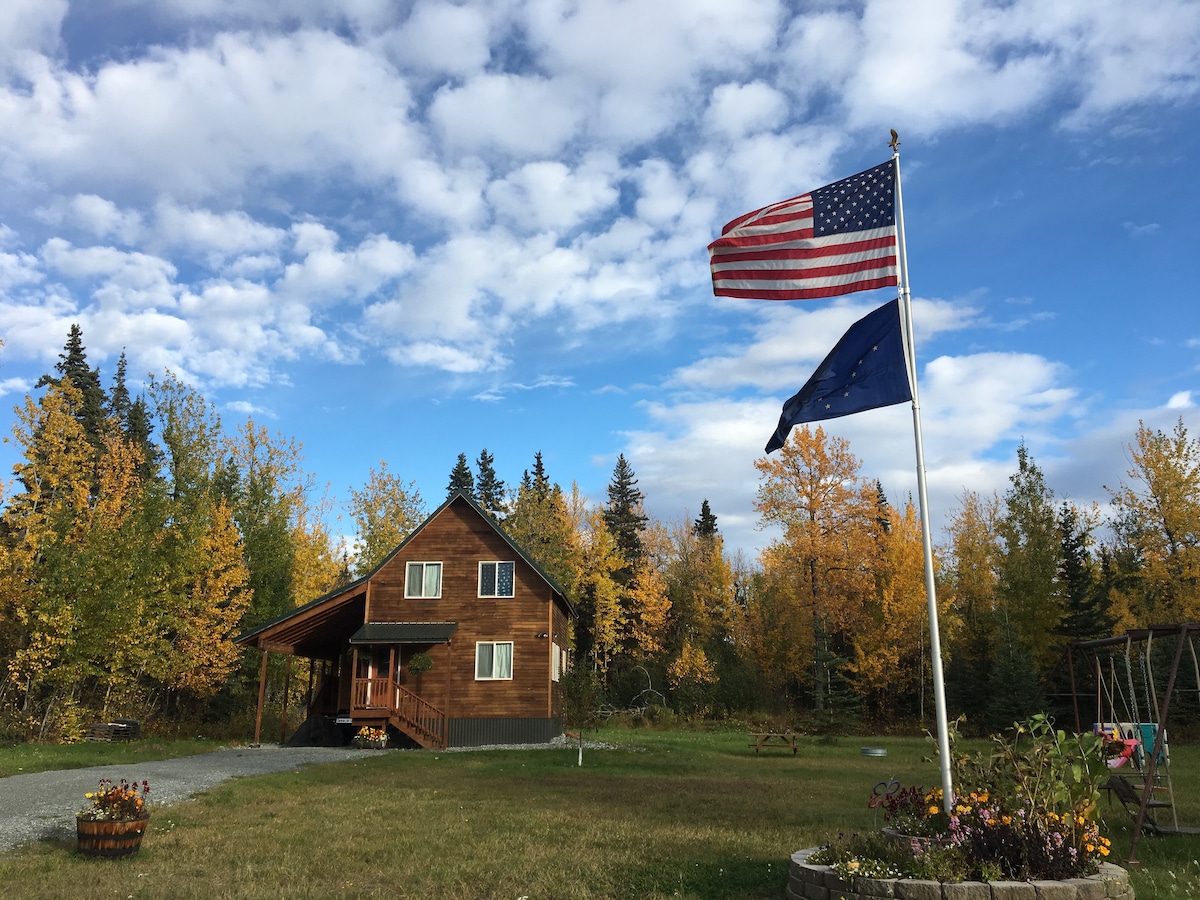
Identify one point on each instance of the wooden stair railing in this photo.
(419, 719)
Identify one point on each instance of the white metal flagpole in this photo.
(935, 642)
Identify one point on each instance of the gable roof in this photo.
(312, 614)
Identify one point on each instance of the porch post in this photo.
(262, 694)
(393, 678)
(287, 687)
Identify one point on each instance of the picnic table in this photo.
(781, 739)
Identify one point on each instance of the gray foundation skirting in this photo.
(809, 881)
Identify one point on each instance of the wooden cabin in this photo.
(493, 623)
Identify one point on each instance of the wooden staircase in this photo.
(421, 721)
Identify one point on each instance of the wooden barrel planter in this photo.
(111, 838)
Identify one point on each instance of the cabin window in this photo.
(493, 661)
(496, 579)
(555, 662)
(424, 579)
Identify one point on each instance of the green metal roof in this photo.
(404, 633)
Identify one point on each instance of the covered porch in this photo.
(383, 691)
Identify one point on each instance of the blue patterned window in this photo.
(496, 579)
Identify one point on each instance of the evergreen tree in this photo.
(1015, 691)
(133, 418)
(624, 517)
(72, 367)
(489, 489)
(119, 401)
(706, 524)
(1087, 614)
(1028, 589)
(461, 478)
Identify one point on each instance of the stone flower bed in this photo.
(809, 881)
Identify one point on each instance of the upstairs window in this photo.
(424, 579)
(493, 661)
(496, 579)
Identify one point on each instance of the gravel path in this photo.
(44, 804)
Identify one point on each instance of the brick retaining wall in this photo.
(809, 881)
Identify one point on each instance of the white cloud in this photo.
(548, 195)
(327, 275)
(29, 26)
(198, 121)
(97, 216)
(126, 280)
(1180, 400)
(517, 115)
(442, 37)
(220, 235)
(737, 110)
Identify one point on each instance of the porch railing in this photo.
(371, 693)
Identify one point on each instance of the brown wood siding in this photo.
(459, 539)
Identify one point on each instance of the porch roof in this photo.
(404, 633)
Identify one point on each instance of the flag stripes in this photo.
(835, 240)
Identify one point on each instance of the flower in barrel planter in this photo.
(371, 738)
(113, 822)
(116, 801)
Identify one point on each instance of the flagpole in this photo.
(935, 642)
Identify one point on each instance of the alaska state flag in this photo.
(865, 370)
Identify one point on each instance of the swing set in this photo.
(1130, 712)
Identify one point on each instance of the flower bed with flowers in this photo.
(1026, 811)
(116, 801)
(370, 738)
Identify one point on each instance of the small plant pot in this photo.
(110, 838)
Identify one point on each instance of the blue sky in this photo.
(404, 231)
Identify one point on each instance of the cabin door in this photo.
(375, 669)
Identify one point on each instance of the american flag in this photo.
(838, 239)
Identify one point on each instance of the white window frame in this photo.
(408, 580)
(497, 564)
(493, 645)
(555, 661)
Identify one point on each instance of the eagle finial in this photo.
(894, 143)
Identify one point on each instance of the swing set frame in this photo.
(1152, 762)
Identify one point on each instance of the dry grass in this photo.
(666, 815)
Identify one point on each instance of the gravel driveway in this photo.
(44, 804)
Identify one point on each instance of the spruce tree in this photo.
(706, 525)
(489, 489)
(623, 515)
(461, 478)
(72, 368)
(1087, 606)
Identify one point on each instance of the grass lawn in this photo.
(666, 814)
